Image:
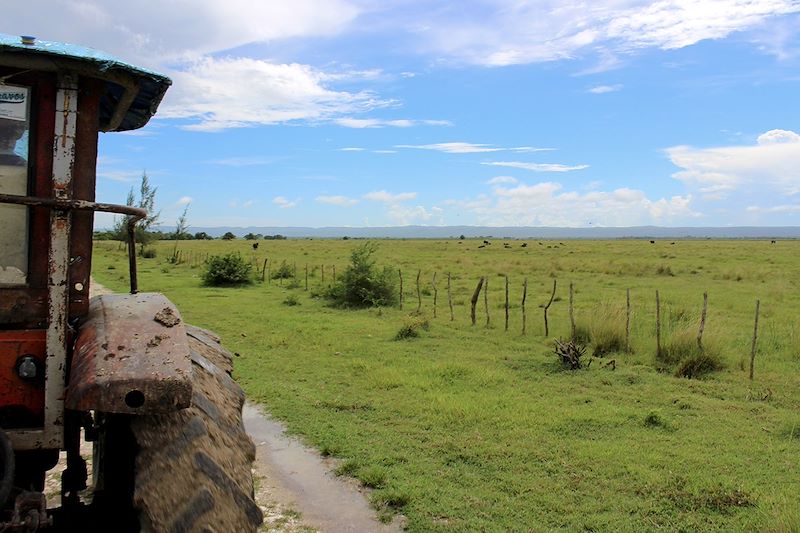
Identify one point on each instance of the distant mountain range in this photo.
(510, 232)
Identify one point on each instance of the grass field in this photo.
(471, 428)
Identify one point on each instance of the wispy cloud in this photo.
(502, 180)
(283, 203)
(470, 148)
(603, 89)
(360, 123)
(384, 151)
(387, 197)
(536, 167)
(352, 149)
(184, 200)
(336, 200)
(532, 31)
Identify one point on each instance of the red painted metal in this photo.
(131, 350)
(17, 395)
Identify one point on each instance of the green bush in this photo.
(285, 271)
(226, 270)
(363, 284)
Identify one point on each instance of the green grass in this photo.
(477, 429)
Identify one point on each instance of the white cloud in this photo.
(360, 123)
(469, 148)
(548, 204)
(184, 200)
(406, 215)
(336, 200)
(213, 92)
(383, 196)
(742, 174)
(778, 136)
(283, 203)
(154, 33)
(384, 151)
(500, 180)
(351, 149)
(603, 89)
(509, 32)
(536, 167)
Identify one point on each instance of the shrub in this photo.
(147, 253)
(229, 269)
(410, 330)
(283, 272)
(291, 300)
(362, 284)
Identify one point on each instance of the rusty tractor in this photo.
(123, 371)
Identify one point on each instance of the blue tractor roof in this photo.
(132, 93)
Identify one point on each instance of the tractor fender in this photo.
(131, 355)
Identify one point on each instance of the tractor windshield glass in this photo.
(14, 127)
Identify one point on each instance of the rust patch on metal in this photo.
(167, 317)
(121, 349)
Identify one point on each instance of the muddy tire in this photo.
(191, 469)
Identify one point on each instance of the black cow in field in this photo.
(652, 242)
(486, 242)
(255, 246)
(524, 244)
(772, 242)
(481, 246)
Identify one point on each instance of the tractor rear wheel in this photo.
(190, 470)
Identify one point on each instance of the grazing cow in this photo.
(652, 242)
(482, 246)
(486, 242)
(255, 246)
(524, 244)
(672, 243)
(773, 242)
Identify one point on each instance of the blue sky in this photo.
(492, 112)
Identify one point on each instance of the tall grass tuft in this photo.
(683, 357)
(604, 330)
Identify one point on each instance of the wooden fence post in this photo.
(264, 269)
(571, 313)
(450, 298)
(702, 322)
(435, 294)
(486, 299)
(546, 307)
(419, 293)
(627, 320)
(755, 339)
(400, 273)
(306, 276)
(474, 300)
(524, 295)
(506, 326)
(658, 325)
